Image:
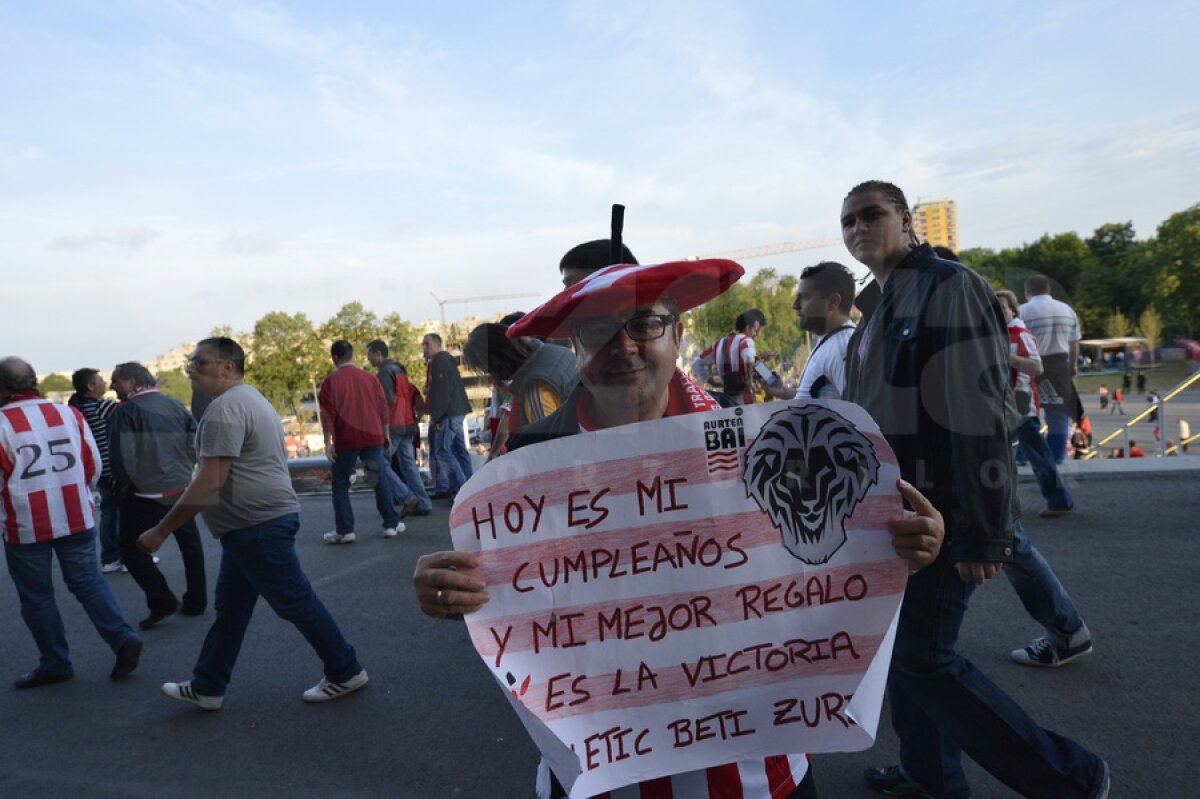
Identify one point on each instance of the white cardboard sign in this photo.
(689, 592)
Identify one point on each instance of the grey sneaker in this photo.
(392, 532)
(1047, 654)
(115, 566)
(334, 537)
(184, 693)
(326, 691)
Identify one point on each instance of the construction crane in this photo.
(770, 249)
(733, 255)
(443, 303)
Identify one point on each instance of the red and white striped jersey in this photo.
(49, 461)
(770, 778)
(732, 353)
(1022, 342)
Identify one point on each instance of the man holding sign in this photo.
(624, 324)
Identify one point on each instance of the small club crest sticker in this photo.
(724, 440)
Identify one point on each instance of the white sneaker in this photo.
(392, 532)
(109, 568)
(326, 691)
(334, 537)
(184, 693)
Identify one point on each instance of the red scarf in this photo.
(27, 394)
(684, 396)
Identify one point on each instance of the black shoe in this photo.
(36, 677)
(439, 495)
(890, 781)
(1054, 513)
(155, 617)
(186, 611)
(422, 512)
(127, 659)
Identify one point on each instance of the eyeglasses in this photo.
(594, 333)
(195, 362)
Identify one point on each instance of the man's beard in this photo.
(815, 325)
(623, 403)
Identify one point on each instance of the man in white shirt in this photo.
(1056, 328)
(822, 307)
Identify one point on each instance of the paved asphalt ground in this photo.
(432, 724)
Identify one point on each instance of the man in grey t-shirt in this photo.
(243, 490)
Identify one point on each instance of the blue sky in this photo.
(172, 165)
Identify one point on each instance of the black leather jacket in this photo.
(445, 395)
(930, 364)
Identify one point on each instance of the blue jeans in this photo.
(1037, 452)
(453, 456)
(943, 706)
(1039, 590)
(342, 469)
(1058, 422)
(405, 462)
(262, 560)
(30, 567)
(441, 483)
(110, 547)
(395, 486)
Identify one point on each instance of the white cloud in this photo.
(125, 239)
(14, 155)
(250, 244)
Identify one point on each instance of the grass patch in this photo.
(1163, 377)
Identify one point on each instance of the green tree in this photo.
(1000, 268)
(780, 343)
(1174, 256)
(176, 384)
(286, 359)
(1117, 325)
(774, 295)
(1062, 258)
(1115, 277)
(1150, 327)
(56, 382)
(355, 324)
(404, 346)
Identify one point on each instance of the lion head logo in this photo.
(808, 469)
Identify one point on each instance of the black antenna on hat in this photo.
(618, 224)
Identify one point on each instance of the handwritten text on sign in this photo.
(695, 591)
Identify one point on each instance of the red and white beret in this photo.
(624, 287)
